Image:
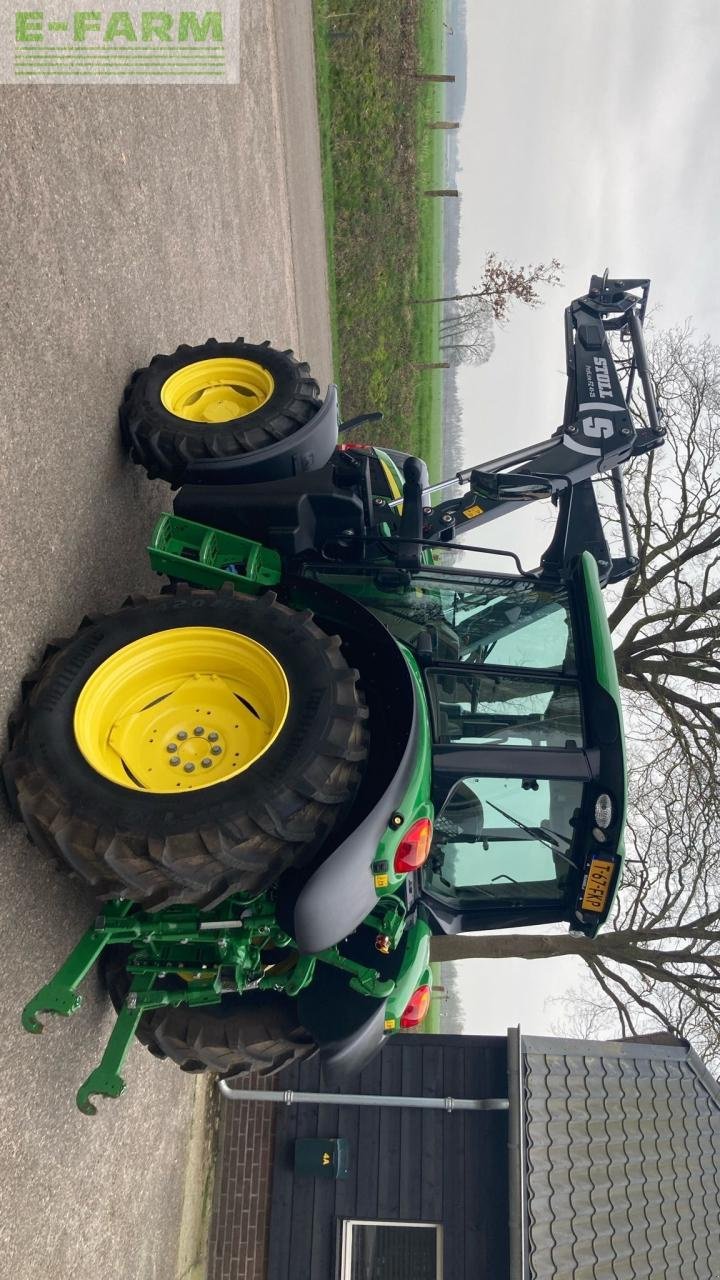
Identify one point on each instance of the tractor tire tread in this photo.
(165, 444)
(257, 1032)
(244, 853)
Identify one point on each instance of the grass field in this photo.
(384, 236)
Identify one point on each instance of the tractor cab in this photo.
(527, 748)
(528, 770)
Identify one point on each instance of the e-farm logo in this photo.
(177, 43)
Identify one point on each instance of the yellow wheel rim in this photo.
(182, 709)
(219, 390)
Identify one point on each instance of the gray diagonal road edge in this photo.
(131, 219)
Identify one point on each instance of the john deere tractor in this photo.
(326, 738)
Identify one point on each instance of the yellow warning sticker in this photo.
(381, 882)
(390, 1024)
(471, 512)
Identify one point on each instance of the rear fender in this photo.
(344, 888)
(342, 892)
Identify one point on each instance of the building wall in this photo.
(405, 1166)
(237, 1247)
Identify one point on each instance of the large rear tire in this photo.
(148, 797)
(217, 400)
(258, 1031)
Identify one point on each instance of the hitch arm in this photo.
(60, 995)
(106, 1080)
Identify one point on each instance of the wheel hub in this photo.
(219, 390)
(149, 721)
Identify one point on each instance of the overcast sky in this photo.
(590, 135)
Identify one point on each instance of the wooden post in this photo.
(443, 191)
(438, 364)
(420, 75)
(444, 124)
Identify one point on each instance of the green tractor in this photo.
(330, 735)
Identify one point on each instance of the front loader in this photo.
(325, 740)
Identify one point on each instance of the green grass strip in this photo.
(384, 236)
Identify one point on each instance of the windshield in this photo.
(509, 622)
(504, 839)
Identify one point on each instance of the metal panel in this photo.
(623, 1161)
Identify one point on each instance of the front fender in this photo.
(307, 449)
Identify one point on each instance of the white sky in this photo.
(590, 135)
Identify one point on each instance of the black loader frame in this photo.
(597, 436)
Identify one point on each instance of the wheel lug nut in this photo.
(213, 737)
(198, 731)
(189, 768)
(171, 749)
(182, 734)
(206, 762)
(216, 751)
(175, 760)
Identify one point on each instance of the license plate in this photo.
(598, 885)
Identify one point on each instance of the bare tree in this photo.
(476, 351)
(659, 963)
(503, 283)
(466, 335)
(467, 315)
(583, 1013)
(666, 618)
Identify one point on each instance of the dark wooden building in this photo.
(425, 1189)
(606, 1166)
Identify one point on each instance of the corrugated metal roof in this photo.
(622, 1162)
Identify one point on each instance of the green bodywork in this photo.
(206, 955)
(606, 674)
(605, 667)
(212, 954)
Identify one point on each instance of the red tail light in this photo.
(414, 848)
(416, 1008)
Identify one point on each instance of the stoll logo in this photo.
(175, 44)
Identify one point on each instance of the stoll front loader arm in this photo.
(597, 437)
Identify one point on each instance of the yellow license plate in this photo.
(598, 885)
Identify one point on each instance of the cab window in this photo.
(504, 839)
(506, 709)
(469, 618)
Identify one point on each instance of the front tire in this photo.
(217, 400)
(95, 782)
